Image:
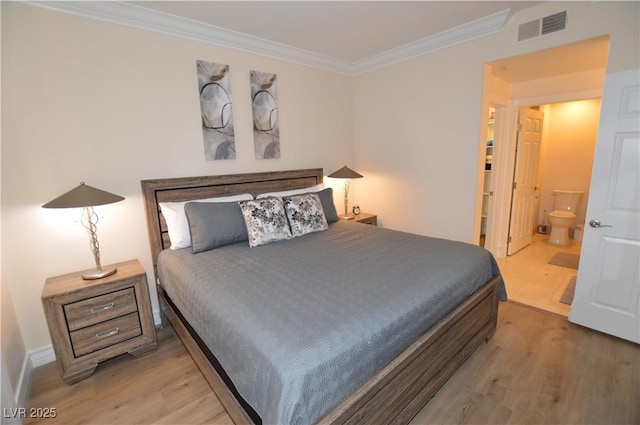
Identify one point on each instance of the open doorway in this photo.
(553, 88)
(543, 274)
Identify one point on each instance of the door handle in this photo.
(596, 224)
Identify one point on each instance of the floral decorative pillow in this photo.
(305, 214)
(266, 221)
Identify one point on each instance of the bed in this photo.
(348, 334)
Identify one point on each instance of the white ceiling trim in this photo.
(483, 27)
(117, 12)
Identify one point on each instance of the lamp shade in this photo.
(83, 196)
(345, 173)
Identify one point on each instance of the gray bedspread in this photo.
(300, 324)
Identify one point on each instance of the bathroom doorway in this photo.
(543, 275)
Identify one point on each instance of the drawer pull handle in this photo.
(102, 308)
(107, 334)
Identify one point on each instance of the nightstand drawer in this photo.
(94, 338)
(99, 309)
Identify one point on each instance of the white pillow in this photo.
(316, 188)
(176, 219)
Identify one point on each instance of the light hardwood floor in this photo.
(541, 369)
(531, 281)
(537, 369)
(164, 387)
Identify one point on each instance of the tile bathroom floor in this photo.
(531, 281)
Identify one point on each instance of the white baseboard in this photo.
(24, 383)
(157, 320)
(42, 356)
(34, 359)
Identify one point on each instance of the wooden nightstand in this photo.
(363, 218)
(91, 321)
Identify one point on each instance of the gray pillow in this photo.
(215, 224)
(326, 199)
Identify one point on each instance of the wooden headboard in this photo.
(188, 188)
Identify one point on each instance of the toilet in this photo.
(563, 216)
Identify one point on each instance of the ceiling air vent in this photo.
(546, 25)
(553, 23)
(529, 30)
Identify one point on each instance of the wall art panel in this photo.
(216, 110)
(266, 126)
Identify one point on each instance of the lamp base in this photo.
(347, 217)
(99, 274)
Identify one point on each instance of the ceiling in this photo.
(349, 31)
(571, 58)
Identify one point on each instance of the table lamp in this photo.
(347, 174)
(87, 197)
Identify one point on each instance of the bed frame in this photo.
(394, 394)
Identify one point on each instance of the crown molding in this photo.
(121, 13)
(483, 27)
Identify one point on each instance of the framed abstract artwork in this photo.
(266, 126)
(216, 111)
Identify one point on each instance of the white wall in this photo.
(416, 124)
(12, 348)
(89, 101)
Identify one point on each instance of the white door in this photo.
(523, 201)
(607, 296)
